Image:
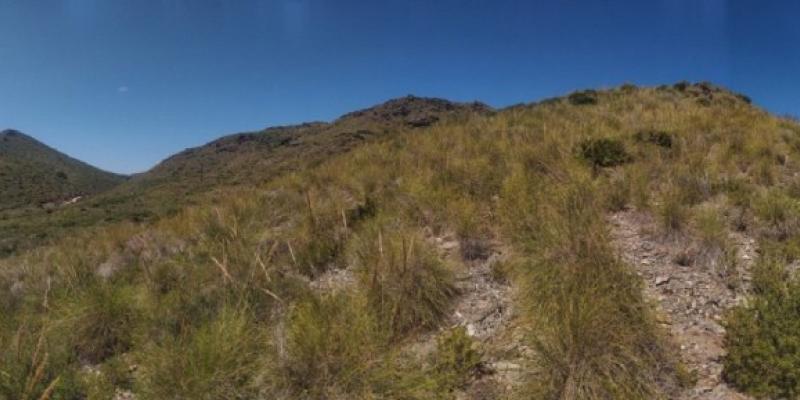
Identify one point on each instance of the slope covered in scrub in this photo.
(224, 300)
(197, 175)
(32, 174)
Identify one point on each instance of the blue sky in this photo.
(122, 84)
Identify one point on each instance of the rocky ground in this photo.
(485, 310)
(691, 287)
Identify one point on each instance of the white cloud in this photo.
(122, 89)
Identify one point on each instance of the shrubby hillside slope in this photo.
(491, 255)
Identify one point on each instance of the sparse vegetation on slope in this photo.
(234, 280)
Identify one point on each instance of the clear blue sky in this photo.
(124, 83)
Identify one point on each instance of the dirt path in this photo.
(690, 298)
(485, 309)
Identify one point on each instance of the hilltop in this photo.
(255, 157)
(628, 243)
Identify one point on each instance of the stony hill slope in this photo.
(630, 243)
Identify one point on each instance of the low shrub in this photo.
(659, 138)
(763, 336)
(604, 152)
(681, 86)
(586, 97)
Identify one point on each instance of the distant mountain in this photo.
(33, 174)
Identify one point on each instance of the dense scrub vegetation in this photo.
(217, 301)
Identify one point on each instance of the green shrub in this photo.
(659, 138)
(604, 152)
(586, 97)
(763, 336)
(682, 85)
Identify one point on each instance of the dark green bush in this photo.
(581, 98)
(763, 336)
(682, 85)
(659, 138)
(628, 88)
(604, 152)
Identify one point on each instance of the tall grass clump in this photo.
(673, 212)
(592, 330)
(27, 368)
(329, 348)
(407, 286)
(779, 212)
(219, 360)
(101, 321)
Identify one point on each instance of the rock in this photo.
(18, 289)
(662, 280)
(108, 268)
(506, 366)
(470, 330)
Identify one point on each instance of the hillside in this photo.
(255, 157)
(201, 174)
(629, 243)
(33, 174)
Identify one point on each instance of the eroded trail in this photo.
(485, 309)
(691, 291)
